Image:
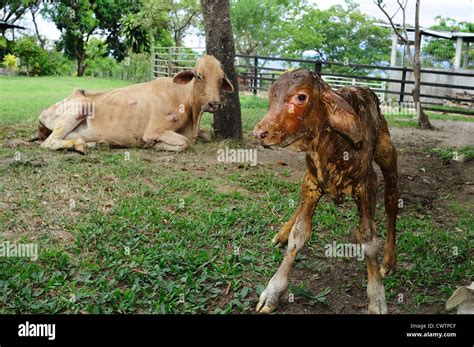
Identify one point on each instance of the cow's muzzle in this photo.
(212, 106)
(259, 134)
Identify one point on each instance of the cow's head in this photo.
(301, 104)
(209, 80)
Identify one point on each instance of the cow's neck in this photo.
(194, 106)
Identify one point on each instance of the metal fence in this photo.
(256, 73)
(167, 61)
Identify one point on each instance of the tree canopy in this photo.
(260, 26)
(340, 33)
(442, 50)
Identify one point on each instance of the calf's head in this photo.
(208, 81)
(301, 104)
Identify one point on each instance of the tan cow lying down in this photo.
(163, 113)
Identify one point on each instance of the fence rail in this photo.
(254, 75)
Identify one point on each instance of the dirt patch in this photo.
(447, 134)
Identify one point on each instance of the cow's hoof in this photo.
(268, 302)
(205, 136)
(80, 146)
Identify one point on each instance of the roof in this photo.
(5, 25)
(450, 35)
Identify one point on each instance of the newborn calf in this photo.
(342, 132)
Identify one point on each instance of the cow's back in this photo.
(122, 115)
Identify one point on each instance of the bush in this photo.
(136, 67)
(10, 63)
(40, 62)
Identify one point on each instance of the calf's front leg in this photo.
(281, 238)
(299, 235)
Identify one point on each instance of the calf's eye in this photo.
(301, 97)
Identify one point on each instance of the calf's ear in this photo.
(226, 85)
(183, 77)
(341, 115)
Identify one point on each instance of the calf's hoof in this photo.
(385, 271)
(378, 307)
(376, 295)
(388, 267)
(268, 302)
(280, 240)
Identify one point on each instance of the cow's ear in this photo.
(226, 85)
(341, 116)
(183, 77)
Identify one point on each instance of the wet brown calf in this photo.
(342, 132)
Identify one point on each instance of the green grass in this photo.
(147, 233)
(451, 153)
(23, 98)
(137, 250)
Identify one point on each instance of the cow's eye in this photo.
(199, 77)
(301, 97)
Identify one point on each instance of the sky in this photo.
(460, 10)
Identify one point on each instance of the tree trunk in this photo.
(33, 16)
(177, 39)
(220, 43)
(81, 67)
(423, 120)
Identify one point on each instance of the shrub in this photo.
(10, 63)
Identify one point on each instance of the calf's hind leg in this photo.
(386, 158)
(366, 235)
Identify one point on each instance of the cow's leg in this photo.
(56, 140)
(281, 238)
(366, 235)
(166, 140)
(299, 235)
(386, 158)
